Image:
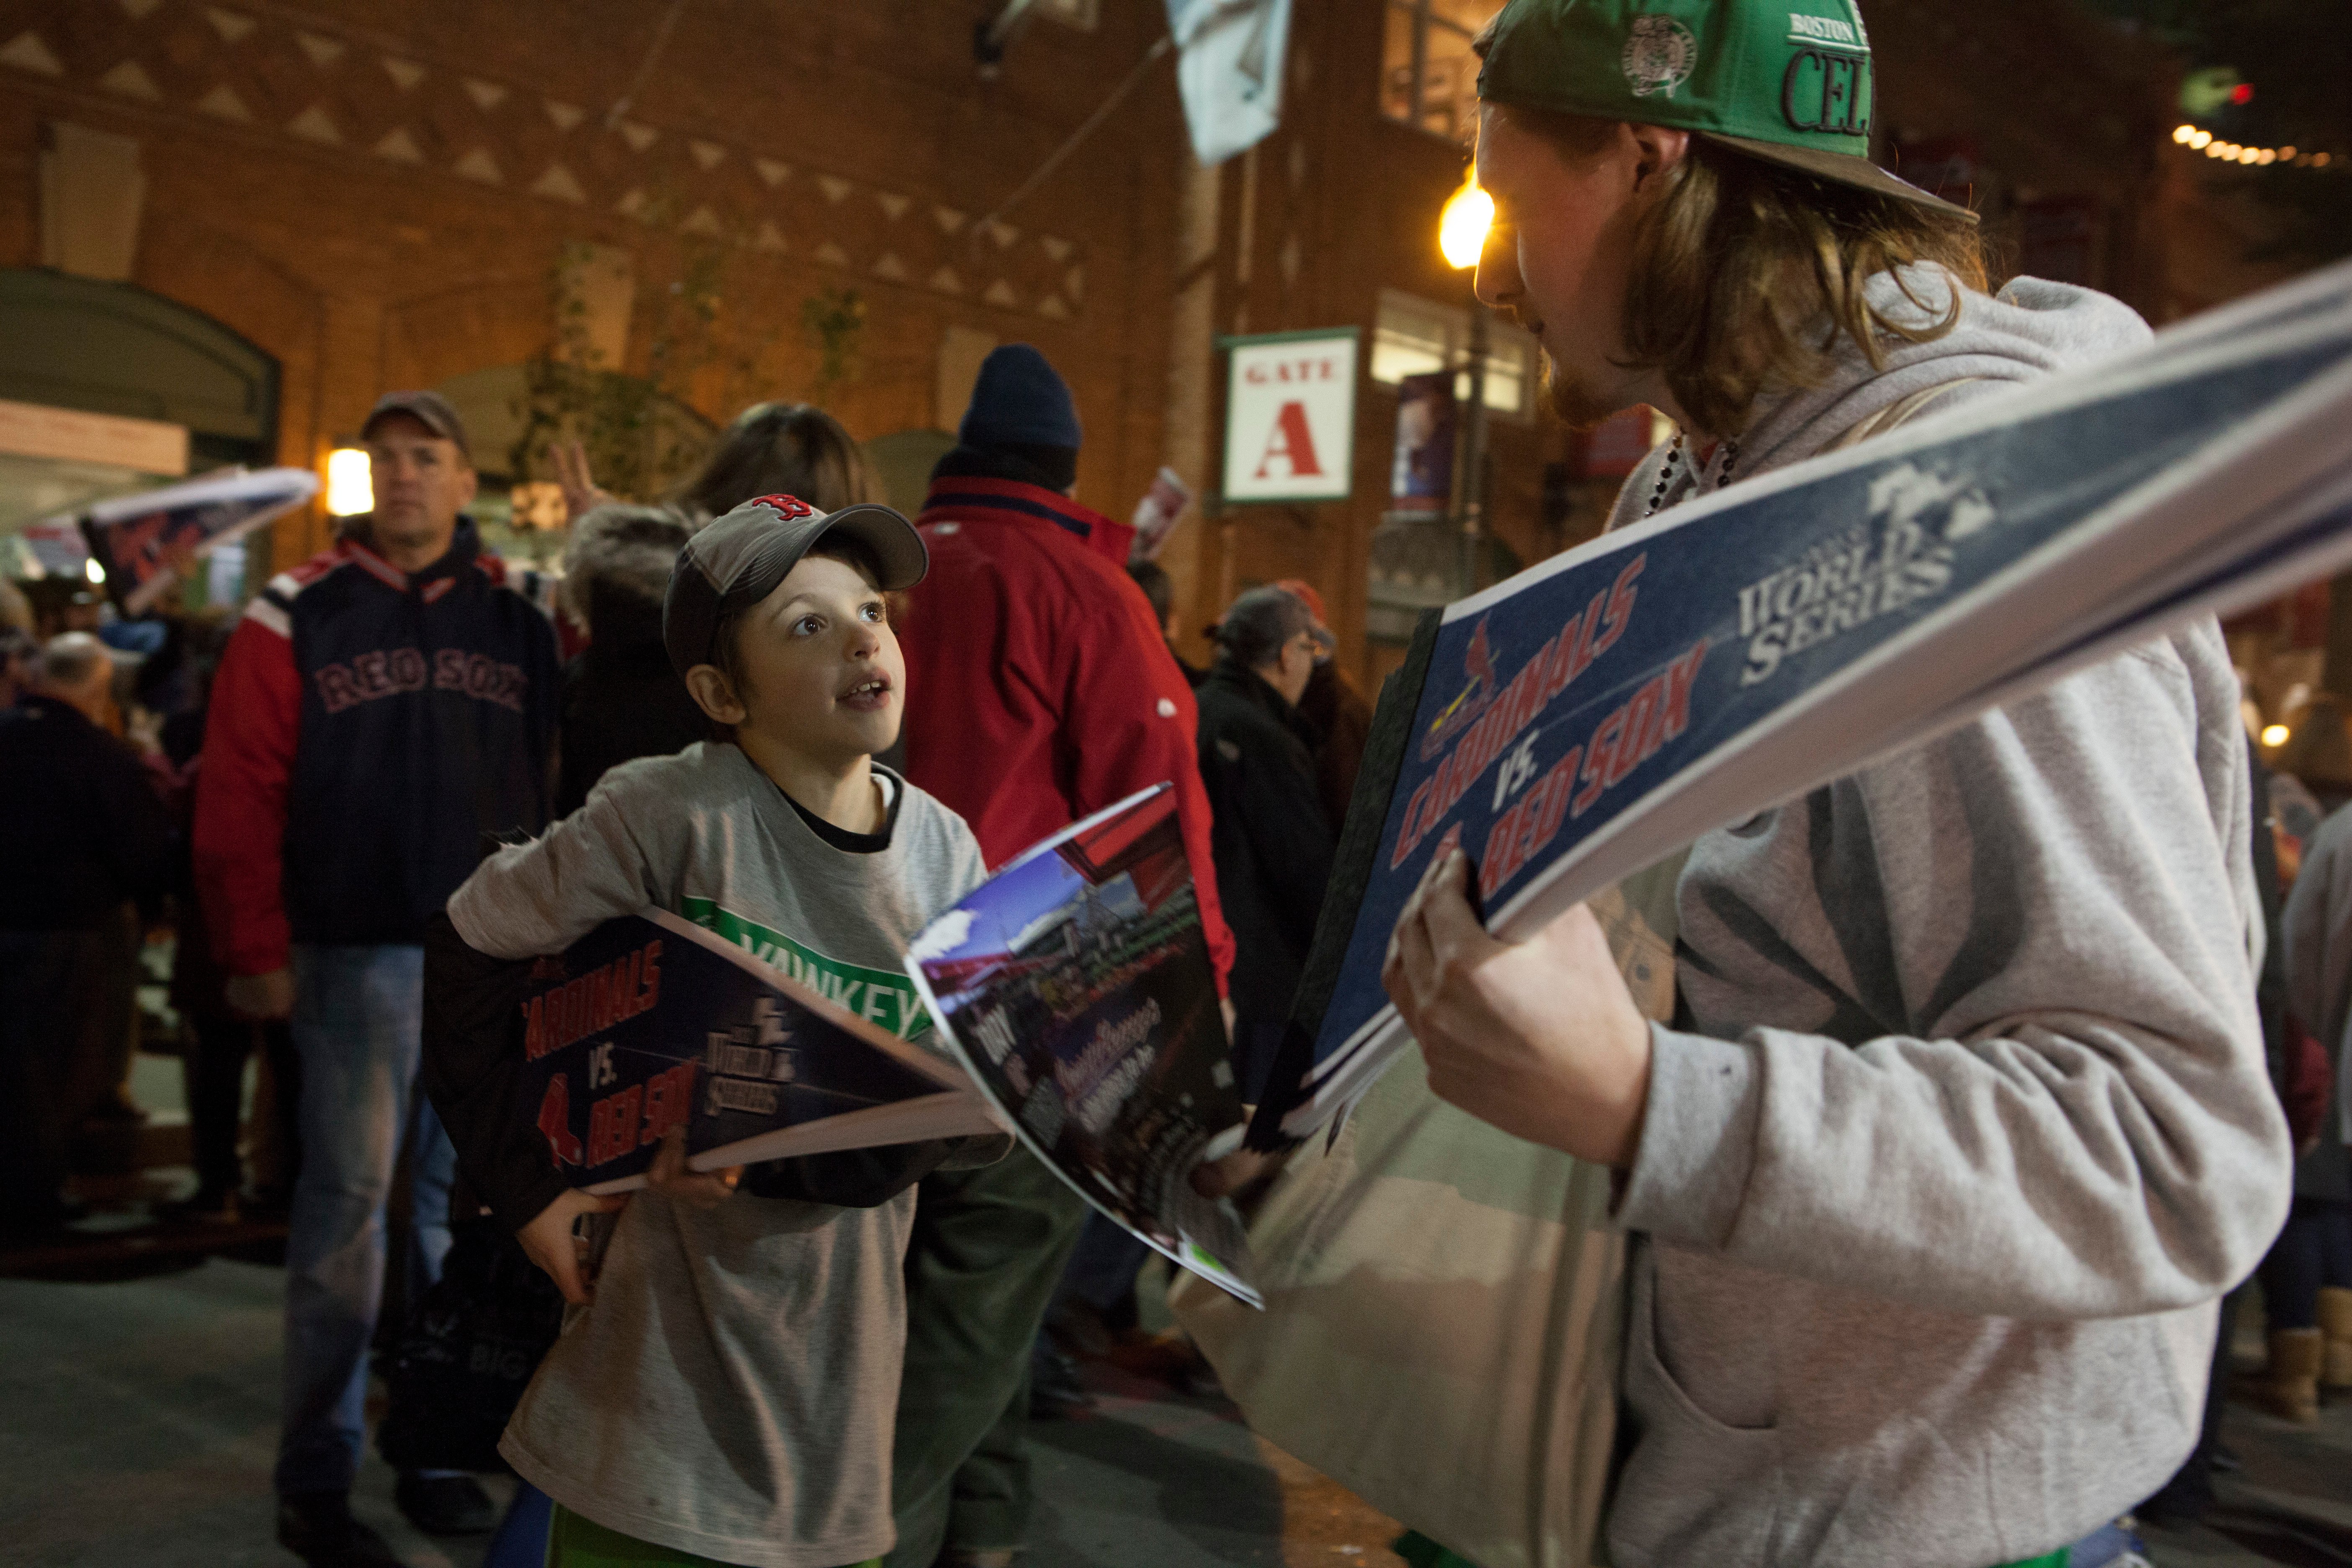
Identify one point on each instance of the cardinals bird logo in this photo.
(1478, 664)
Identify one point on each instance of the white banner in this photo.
(1230, 71)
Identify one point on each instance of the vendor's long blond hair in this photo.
(1737, 265)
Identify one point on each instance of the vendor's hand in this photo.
(261, 996)
(581, 494)
(1539, 1038)
(697, 1189)
(547, 1240)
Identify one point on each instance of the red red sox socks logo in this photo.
(390, 671)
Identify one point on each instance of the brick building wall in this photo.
(376, 195)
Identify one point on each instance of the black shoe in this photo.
(1055, 1392)
(445, 1505)
(318, 1527)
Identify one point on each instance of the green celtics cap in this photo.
(1788, 83)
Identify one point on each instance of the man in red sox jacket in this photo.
(1038, 690)
(377, 709)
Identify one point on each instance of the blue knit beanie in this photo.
(1019, 400)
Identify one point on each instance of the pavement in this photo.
(138, 1413)
(139, 1418)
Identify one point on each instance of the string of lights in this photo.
(2198, 140)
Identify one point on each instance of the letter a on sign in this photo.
(1293, 443)
(1291, 416)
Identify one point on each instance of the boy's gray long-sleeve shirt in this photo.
(730, 1391)
(1967, 1127)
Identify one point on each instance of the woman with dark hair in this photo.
(779, 448)
(770, 448)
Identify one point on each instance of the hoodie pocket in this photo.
(1693, 1490)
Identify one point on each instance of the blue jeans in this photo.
(2315, 1250)
(358, 1016)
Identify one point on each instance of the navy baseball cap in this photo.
(429, 409)
(739, 558)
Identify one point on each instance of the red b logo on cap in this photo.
(787, 505)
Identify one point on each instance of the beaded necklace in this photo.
(1676, 462)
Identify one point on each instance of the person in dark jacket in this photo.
(1340, 717)
(1272, 836)
(81, 833)
(1160, 590)
(377, 710)
(213, 1067)
(622, 699)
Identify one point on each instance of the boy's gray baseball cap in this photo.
(739, 558)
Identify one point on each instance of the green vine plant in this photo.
(645, 433)
(834, 319)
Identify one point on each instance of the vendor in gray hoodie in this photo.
(1963, 1129)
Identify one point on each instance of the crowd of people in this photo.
(1995, 1068)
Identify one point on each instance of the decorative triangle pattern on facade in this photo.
(314, 124)
(131, 80)
(223, 103)
(222, 65)
(27, 52)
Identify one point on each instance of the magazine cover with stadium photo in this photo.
(1076, 985)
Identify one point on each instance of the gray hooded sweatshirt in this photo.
(1967, 1127)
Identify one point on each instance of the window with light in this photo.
(1429, 78)
(1414, 336)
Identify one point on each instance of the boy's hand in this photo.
(697, 1189)
(547, 1240)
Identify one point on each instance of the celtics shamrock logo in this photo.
(1659, 55)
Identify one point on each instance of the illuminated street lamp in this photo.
(350, 491)
(1462, 230)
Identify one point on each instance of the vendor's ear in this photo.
(715, 694)
(1658, 149)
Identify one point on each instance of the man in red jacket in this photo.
(1038, 690)
(377, 710)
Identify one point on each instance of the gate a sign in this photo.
(1290, 415)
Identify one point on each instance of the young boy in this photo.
(729, 1395)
